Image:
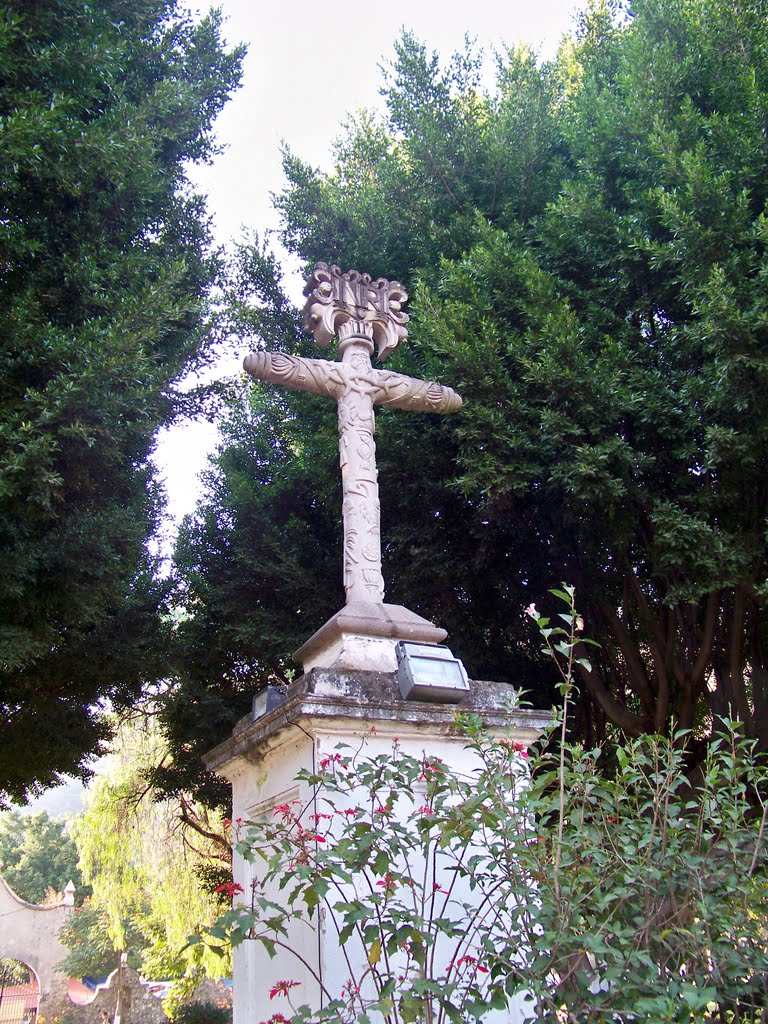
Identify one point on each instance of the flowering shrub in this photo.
(581, 895)
(392, 845)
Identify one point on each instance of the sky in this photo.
(310, 65)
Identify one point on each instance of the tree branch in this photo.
(619, 714)
(638, 678)
(735, 660)
(191, 818)
(704, 656)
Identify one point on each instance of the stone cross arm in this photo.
(336, 380)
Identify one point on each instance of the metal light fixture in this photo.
(267, 700)
(430, 672)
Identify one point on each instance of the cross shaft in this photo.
(361, 315)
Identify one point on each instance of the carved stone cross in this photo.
(360, 312)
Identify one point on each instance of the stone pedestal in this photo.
(323, 708)
(362, 637)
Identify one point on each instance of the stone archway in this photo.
(31, 934)
(19, 992)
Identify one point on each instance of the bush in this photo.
(201, 1013)
(605, 897)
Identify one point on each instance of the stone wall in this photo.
(210, 991)
(29, 933)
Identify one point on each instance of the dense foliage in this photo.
(90, 950)
(14, 972)
(105, 264)
(201, 1013)
(153, 876)
(586, 246)
(37, 855)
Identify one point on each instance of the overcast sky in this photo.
(308, 66)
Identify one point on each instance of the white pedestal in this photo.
(323, 708)
(362, 637)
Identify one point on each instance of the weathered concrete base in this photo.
(362, 637)
(324, 708)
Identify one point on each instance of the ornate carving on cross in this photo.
(361, 313)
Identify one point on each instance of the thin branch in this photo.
(638, 677)
(189, 817)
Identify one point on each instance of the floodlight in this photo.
(430, 672)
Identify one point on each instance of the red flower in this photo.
(430, 768)
(471, 961)
(230, 888)
(517, 748)
(282, 988)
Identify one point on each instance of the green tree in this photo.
(152, 875)
(14, 972)
(37, 855)
(106, 264)
(616, 381)
(90, 948)
(264, 522)
(586, 249)
(272, 515)
(259, 565)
